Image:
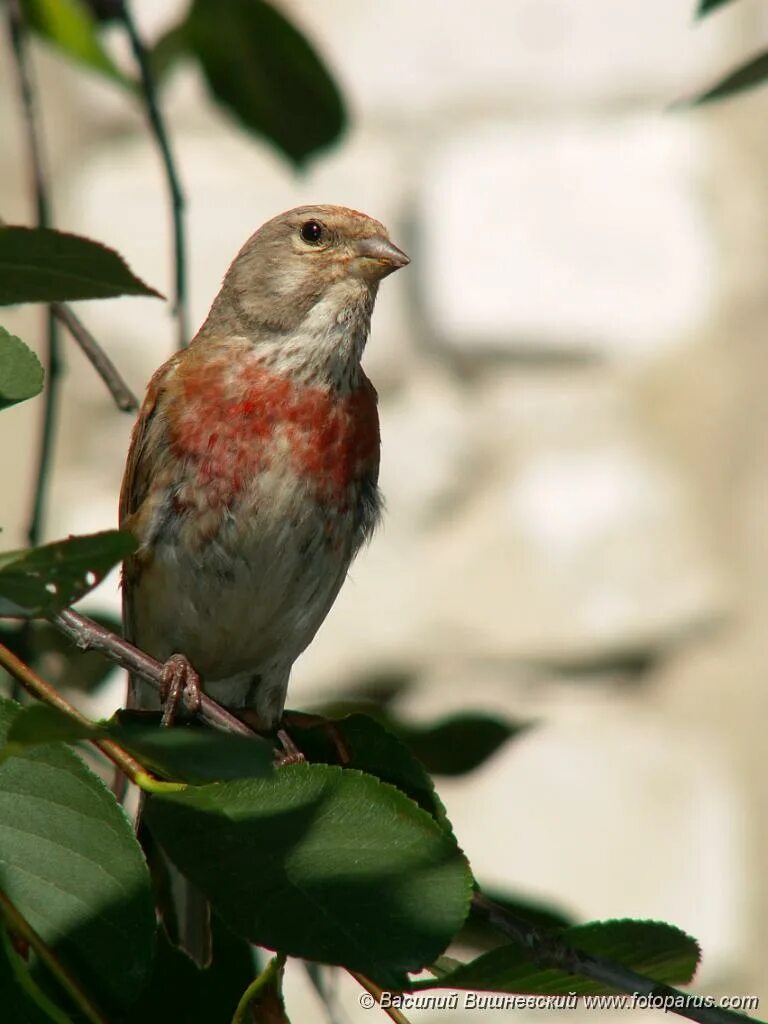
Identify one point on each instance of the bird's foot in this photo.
(179, 684)
(291, 753)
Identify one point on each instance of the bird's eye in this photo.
(311, 232)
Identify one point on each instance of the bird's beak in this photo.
(375, 257)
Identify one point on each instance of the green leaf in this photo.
(179, 991)
(747, 76)
(192, 752)
(459, 743)
(321, 863)
(39, 725)
(453, 745)
(40, 581)
(71, 865)
(707, 6)
(360, 742)
(21, 375)
(43, 265)
(189, 753)
(69, 26)
(658, 951)
(263, 70)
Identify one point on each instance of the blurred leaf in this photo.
(360, 742)
(459, 743)
(167, 50)
(453, 745)
(658, 951)
(322, 863)
(43, 265)
(190, 753)
(21, 375)
(263, 70)
(40, 581)
(63, 664)
(707, 6)
(70, 26)
(179, 991)
(747, 76)
(72, 867)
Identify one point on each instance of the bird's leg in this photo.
(291, 753)
(333, 733)
(179, 683)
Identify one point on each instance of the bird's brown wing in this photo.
(135, 487)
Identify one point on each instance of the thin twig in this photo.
(160, 134)
(549, 950)
(18, 35)
(21, 927)
(376, 992)
(106, 369)
(90, 636)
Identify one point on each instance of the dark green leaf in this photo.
(43, 580)
(72, 867)
(42, 265)
(39, 725)
(655, 950)
(21, 375)
(322, 863)
(360, 742)
(190, 753)
(460, 743)
(70, 26)
(179, 991)
(747, 76)
(707, 6)
(263, 70)
(451, 746)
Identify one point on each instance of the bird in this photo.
(251, 480)
(252, 475)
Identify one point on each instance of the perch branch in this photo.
(90, 636)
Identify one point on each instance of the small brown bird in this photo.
(251, 479)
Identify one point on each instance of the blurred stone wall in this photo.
(575, 438)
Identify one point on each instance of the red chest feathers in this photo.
(236, 424)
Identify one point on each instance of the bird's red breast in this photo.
(232, 422)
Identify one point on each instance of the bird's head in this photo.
(310, 268)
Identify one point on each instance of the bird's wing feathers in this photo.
(136, 485)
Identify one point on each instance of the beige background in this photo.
(575, 438)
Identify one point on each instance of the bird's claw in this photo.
(179, 683)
